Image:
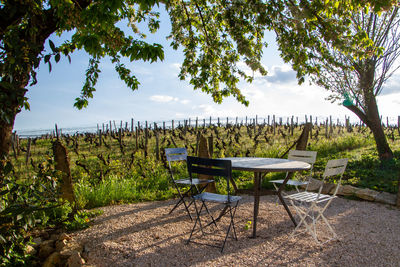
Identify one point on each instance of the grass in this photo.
(112, 176)
(116, 190)
(147, 184)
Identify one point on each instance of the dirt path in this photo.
(145, 234)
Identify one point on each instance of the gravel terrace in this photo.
(144, 234)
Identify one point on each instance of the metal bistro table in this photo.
(260, 167)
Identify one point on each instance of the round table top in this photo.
(267, 164)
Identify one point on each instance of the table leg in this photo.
(257, 187)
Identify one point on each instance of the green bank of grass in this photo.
(364, 169)
(149, 182)
(117, 190)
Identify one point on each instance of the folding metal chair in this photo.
(196, 186)
(310, 206)
(220, 168)
(300, 155)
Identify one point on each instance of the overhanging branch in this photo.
(359, 113)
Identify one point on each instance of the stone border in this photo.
(57, 250)
(349, 190)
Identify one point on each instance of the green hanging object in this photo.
(347, 100)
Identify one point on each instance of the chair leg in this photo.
(198, 212)
(312, 226)
(321, 215)
(212, 218)
(303, 220)
(276, 198)
(182, 201)
(187, 194)
(297, 189)
(195, 223)
(302, 215)
(231, 224)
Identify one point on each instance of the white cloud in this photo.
(282, 74)
(389, 104)
(176, 66)
(253, 92)
(163, 98)
(184, 101)
(392, 86)
(174, 69)
(167, 99)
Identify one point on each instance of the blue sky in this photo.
(163, 97)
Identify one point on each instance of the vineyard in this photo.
(123, 164)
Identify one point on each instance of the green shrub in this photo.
(23, 206)
(31, 203)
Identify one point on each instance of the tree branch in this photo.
(359, 113)
(11, 13)
(202, 21)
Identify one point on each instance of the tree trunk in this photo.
(373, 121)
(14, 80)
(10, 99)
(5, 137)
(384, 151)
(398, 192)
(370, 115)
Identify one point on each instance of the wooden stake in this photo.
(28, 150)
(157, 142)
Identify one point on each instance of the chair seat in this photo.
(290, 182)
(187, 181)
(206, 196)
(309, 197)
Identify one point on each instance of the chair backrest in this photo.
(335, 167)
(303, 155)
(211, 167)
(306, 156)
(176, 154)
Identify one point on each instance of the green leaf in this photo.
(27, 106)
(80, 103)
(57, 58)
(52, 46)
(8, 168)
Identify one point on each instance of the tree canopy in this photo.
(27, 25)
(215, 36)
(353, 65)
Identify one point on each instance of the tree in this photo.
(321, 39)
(215, 34)
(355, 77)
(26, 26)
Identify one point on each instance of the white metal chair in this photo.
(196, 186)
(310, 206)
(300, 155)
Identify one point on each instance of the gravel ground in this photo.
(144, 234)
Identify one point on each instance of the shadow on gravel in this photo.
(145, 234)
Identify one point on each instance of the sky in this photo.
(162, 96)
